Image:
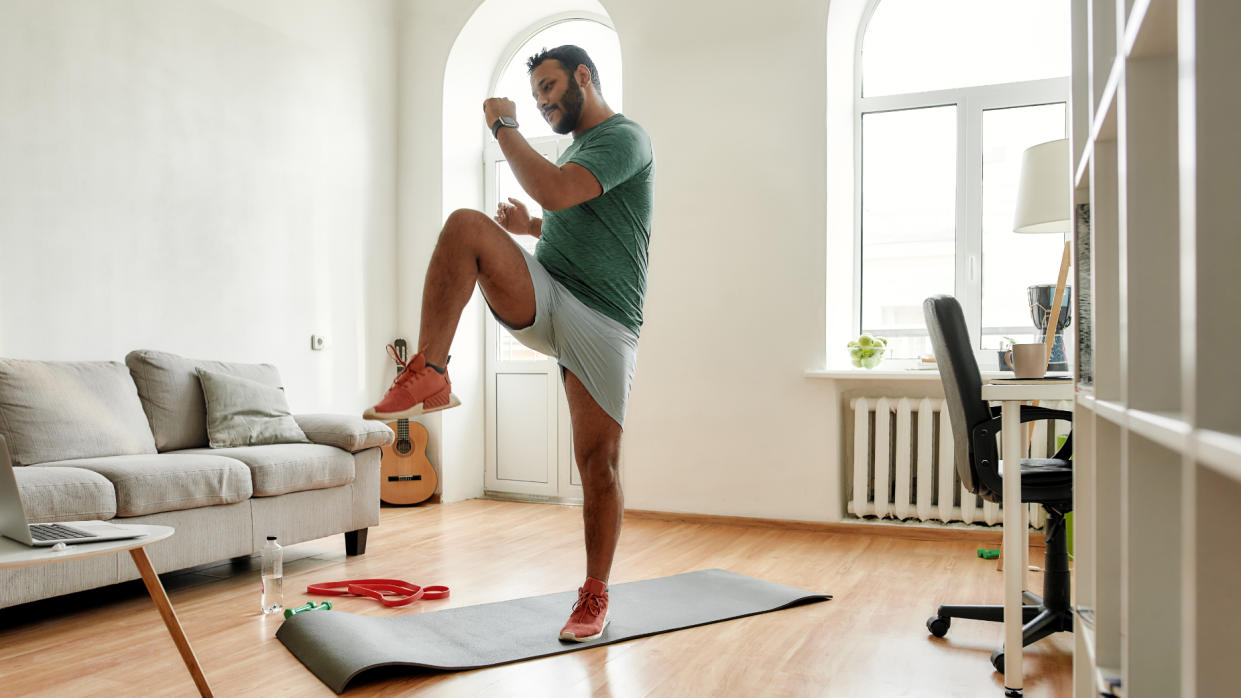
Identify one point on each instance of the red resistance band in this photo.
(379, 589)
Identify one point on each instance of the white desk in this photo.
(1010, 396)
(14, 554)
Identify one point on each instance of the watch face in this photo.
(501, 122)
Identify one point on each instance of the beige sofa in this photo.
(128, 442)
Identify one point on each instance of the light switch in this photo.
(316, 342)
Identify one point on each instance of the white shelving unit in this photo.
(1156, 122)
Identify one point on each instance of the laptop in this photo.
(13, 522)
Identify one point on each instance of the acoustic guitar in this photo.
(406, 475)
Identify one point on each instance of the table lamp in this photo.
(1043, 207)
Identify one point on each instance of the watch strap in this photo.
(499, 123)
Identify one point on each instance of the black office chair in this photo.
(1046, 481)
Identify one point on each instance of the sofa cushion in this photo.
(167, 482)
(344, 431)
(65, 494)
(243, 412)
(173, 396)
(53, 410)
(284, 468)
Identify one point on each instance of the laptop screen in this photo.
(12, 512)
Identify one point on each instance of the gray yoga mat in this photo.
(338, 646)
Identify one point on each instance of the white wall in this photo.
(208, 177)
(722, 419)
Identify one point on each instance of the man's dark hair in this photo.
(570, 58)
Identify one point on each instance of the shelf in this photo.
(1157, 481)
(1107, 680)
(1168, 429)
(1221, 452)
(1151, 29)
(1113, 412)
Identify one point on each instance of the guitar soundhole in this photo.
(404, 447)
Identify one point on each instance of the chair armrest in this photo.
(1030, 413)
(343, 431)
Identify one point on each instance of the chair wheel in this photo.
(997, 660)
(938, 625)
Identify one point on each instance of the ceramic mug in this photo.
(1028, 360)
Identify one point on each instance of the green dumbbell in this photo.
(309, 606)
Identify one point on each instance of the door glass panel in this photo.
(909, 161)
(506, 186)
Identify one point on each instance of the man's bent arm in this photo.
(554, 188)
(536, 227)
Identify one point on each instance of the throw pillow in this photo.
(244, 412)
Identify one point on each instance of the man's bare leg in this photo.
(596, 443)
(471, 249)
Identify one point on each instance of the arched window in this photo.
(598, 38)
(948, 94)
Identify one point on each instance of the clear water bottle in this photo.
(273, 576)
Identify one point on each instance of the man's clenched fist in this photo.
(496, 107)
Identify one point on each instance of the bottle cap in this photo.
(271, 538)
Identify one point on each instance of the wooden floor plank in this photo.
(869, 641)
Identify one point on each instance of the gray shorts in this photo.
(600, 351)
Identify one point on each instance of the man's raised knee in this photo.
(463, 224)
(467, 217)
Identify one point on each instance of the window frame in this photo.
(971, 103)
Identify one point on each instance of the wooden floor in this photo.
(870, 640)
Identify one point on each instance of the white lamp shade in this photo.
(1043, 191)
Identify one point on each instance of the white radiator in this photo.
(904, 468)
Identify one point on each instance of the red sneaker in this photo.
(418, 389)
(590, 613)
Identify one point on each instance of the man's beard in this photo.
(570, 109)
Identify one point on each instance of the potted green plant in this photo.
(867, 350)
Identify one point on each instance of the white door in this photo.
(529, 441)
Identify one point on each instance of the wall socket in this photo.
(316, 342)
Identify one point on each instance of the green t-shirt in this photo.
(598, 248)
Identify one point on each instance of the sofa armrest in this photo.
(352, 434)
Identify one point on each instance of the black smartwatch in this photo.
(502, 121)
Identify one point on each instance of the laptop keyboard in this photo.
(56, 532)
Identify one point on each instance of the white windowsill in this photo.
(902, 374)
(875, 374)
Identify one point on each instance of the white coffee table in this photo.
(14, 554)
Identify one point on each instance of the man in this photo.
(578, 298)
